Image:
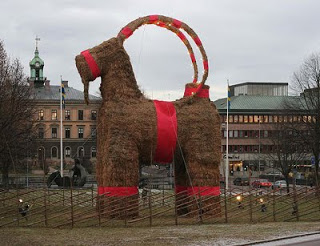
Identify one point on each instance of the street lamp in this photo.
(259, 145)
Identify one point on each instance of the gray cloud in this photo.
(245, 40)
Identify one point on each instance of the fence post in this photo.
(18, 202)
(175, 209)
(4, 197)
(92, 195)
(225, 203)
(250, 204)
(163, 193)
(48, 191)
(45, 207)
(71, 202)
(63, 195)
(200, 206)
(295, 202)
(150, 208)
(125, 200)
(274, 206)
(98, 200)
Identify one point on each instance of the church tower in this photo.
(36, 68)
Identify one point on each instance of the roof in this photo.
(255, 103)
(36, 58)
(259, 83)
(53, 93)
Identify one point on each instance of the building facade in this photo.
(78, 127)
(259, 89)
(251, 125)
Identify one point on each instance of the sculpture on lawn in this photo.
(133, 129)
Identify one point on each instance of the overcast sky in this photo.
(246, 41)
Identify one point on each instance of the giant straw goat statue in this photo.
(132, 129)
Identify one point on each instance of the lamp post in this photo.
(259, 145)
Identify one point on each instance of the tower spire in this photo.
(37, 40)
(36, 67)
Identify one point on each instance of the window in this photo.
(235, 148)
(80, 132)
(93, 114)
(250, 119)
(54, 152)
(67, 152)
(54, 131)
(256, 119)
(230, 134)
(240, 148)
(54, 114)
(270, 118)
(224, 133)
(41, 114)
(240, 118)
(67, 115)
(41, 132)
(245, 118)
(246, 134)
(275, 118)
(240, 134)
(235, 133)
(235, 118)
(80, 152)
(80, 114)
(93, 132)
(67, 132)
(230, 118)
(265, 118)
(93, 152)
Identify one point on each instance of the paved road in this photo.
(311, 240)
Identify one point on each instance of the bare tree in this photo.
(288, 149)
(306, 81)
(16, 114)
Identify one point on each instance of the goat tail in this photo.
(173, 25)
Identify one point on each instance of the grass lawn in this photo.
(217, 234)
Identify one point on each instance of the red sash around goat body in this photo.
(166, 131)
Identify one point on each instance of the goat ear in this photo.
(85, 75)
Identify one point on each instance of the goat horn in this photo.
(128, 30)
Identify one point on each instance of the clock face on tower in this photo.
(37, 64)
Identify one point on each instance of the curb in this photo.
(278, 239)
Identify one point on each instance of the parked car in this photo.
(259, 183)
(280, 184)
(275, 173)
(241, 181)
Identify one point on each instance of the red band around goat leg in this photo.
(118, 191)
